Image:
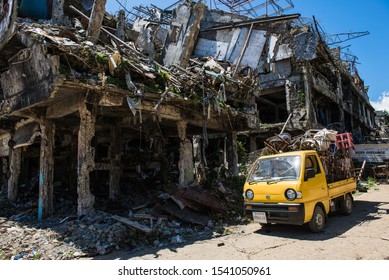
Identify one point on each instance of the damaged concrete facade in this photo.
(296, 74)
(95, 117)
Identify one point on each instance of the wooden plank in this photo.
(140, 206)
(20, 214)
(183, 202)
(185, 214)
(203, 198)
(178, 200)
(361, 171)
(132, 224)
(148, 216)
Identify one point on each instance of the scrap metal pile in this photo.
(333, 148)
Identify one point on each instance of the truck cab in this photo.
(291, 188)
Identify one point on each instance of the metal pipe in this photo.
(243, 50)
(254, 21)
(282, 130)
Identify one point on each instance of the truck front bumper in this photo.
(279, 213)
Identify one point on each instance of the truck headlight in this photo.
(290, 194)
(249, 194)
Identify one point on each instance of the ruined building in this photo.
(98, 110)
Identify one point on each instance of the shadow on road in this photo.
(337, 224)
(125, 255)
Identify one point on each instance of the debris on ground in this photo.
(162, 220)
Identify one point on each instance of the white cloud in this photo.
(382, 103)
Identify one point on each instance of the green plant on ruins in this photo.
(371, 181)
(2, 255)
(234, 185)
(301, 95)
(242, 157)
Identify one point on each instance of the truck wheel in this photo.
(346, 205)
(318, 221)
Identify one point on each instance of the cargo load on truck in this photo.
(335, 150)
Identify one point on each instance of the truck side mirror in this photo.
(309, 173)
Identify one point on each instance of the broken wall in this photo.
(30, 77)
(7, 19)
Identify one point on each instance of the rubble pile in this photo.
(117, 64)
(159, 219)
(26, 239)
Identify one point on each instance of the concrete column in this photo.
(339, 85)
(185, 163)
(340, 94)
(161, 156)
(121, 26)
(4, 174)
(253, 144)
(85, 161)
(295, 106)
(341, 117)
(14, 167)
(96, 20)
(198, 160)
(57, 11)
(46, 169)
(115, 162)
(307, 77)
(192, 33)
(233, 153)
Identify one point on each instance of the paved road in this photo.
(363, 235)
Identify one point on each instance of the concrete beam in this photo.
(170, 112)
(65, 107)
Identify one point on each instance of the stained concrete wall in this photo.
(30, 77)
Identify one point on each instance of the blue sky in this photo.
(338, 16)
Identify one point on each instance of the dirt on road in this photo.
(362, 235)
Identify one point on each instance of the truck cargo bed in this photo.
(342, 187)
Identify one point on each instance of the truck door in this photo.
(314, 188)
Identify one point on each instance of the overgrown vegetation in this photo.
(301, 95)
(364, 186)
(371, 181)
(235, 212)
(242, 157)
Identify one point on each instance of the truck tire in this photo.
(346, 205)
(318, 221)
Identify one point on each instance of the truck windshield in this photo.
(275, 169)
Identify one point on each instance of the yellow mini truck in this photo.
(291, 188)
